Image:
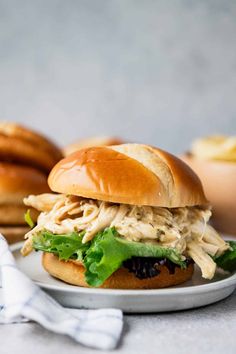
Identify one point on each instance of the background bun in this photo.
(129, 173)
(17, 181)
(26, 157)
(11, 214)
(22, 145)
(14, 233)
(73, 273)
(91, 142)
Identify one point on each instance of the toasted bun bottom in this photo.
(72, 272)
(14, 233)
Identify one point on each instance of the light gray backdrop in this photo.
(160, 72)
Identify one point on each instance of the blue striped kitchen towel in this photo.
(24, 301)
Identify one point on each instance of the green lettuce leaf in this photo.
(28, 219)
(108, 251)
(104, 254)
(68, 246)
(227, 261)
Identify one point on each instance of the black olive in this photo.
(147, 267)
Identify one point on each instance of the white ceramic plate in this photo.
(194, 293)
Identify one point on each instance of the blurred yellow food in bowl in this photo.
(216, 147)
(213, 158)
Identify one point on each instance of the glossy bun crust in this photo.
(25, 146)
(17, 181)
(72, 272)
(130, 174)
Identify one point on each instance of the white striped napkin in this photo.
(24, 301)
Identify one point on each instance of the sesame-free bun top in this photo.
(25, 146)
(130, 174)
(17, 181)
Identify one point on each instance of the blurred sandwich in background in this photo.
(26, 158)
(89, 142)
(213, 158)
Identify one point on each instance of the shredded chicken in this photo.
(185, 229)
(43, 202)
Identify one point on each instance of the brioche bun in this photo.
(22, 145)
(17, 181)
(130, 174)
(72, 272)
(90, 142)
(11, 214)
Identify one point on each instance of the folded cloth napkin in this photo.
(24, 301)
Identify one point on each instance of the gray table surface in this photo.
(211, 329)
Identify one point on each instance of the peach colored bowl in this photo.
(219, 182)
